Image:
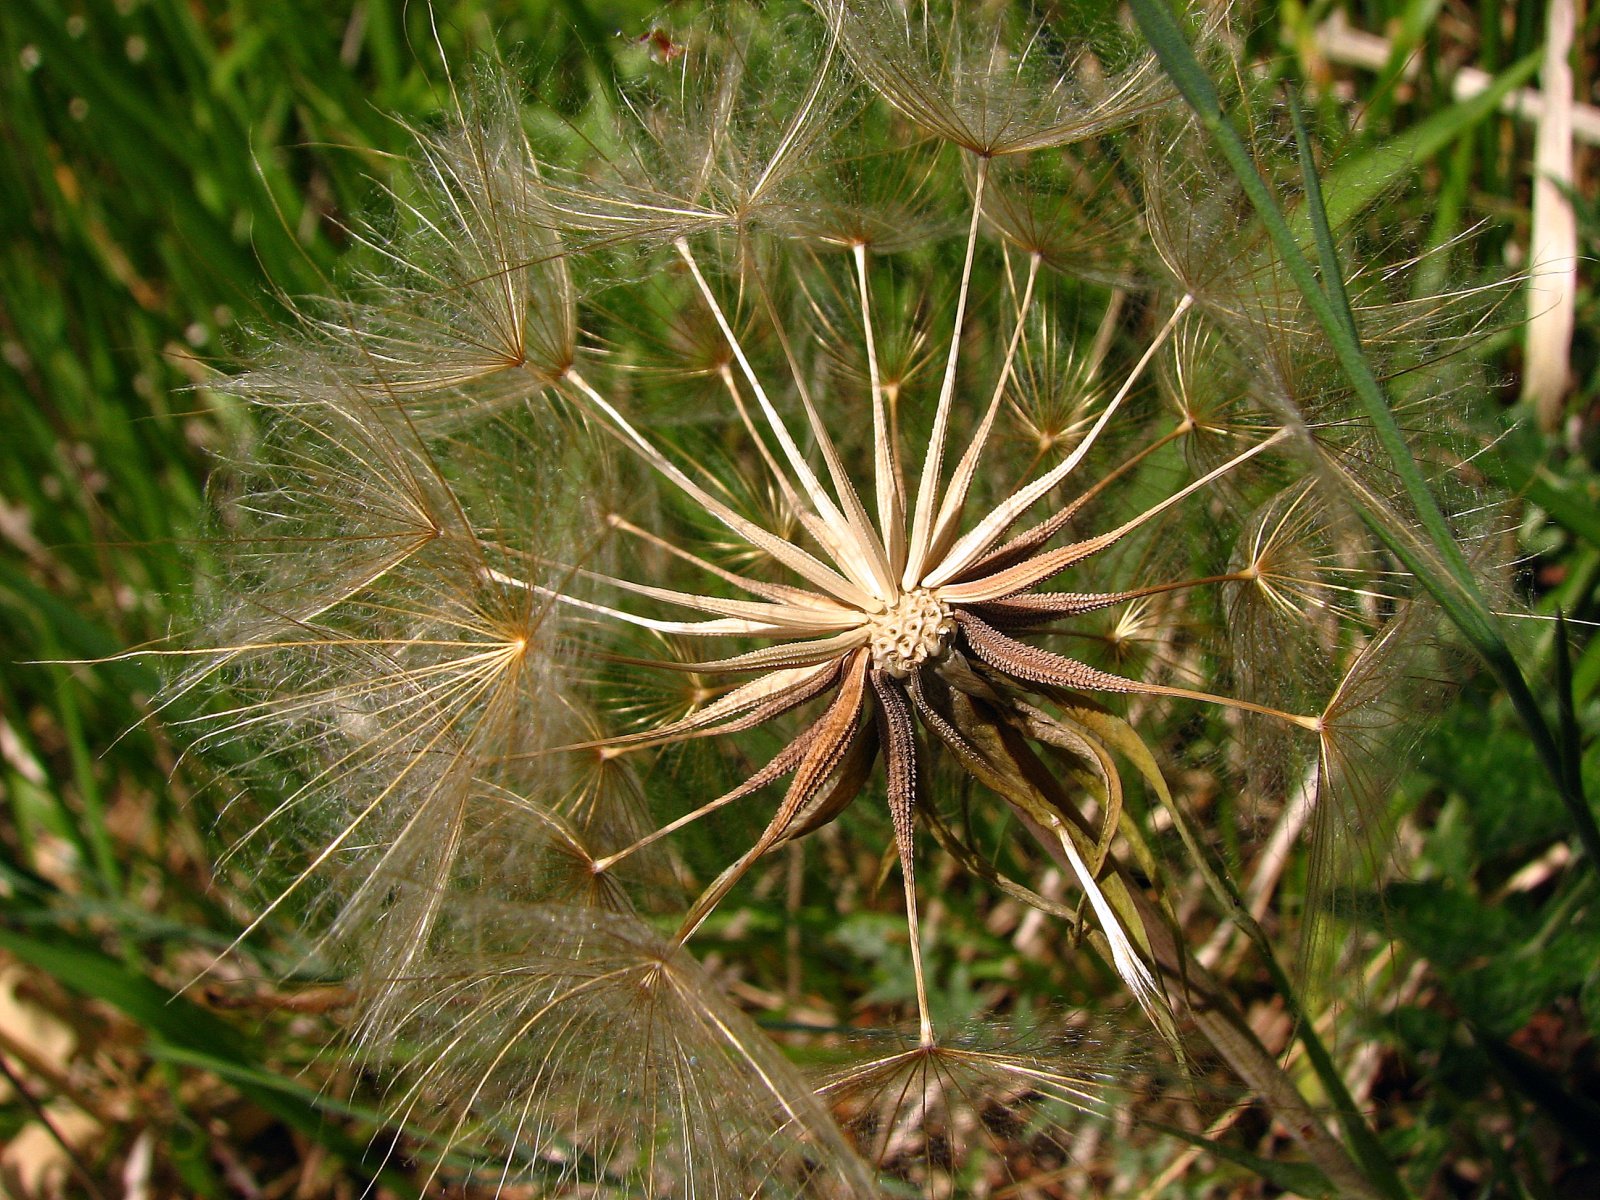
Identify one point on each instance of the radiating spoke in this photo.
(933, 460)
(835, 730)
(864, 544)
(745, 707)
(855, 561)
(1029, 540)
(1036, 570)
(993, 526)
(816, 617)
(885, 450)
(900, 763)
(787, 553)
(781, 593)
(1040, 608)
(1039, 666)
(955, 497)
(781, 764)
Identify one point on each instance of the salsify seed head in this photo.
(878, 401)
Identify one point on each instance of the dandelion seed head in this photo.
(876, 407)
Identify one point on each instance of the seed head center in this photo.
(911, 632)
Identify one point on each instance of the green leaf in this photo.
(181, 1025)
(1517, 464)
(1452, 924)
(1507, 810)
(1362, 178)
(1296, 1178)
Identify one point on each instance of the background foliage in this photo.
(167, 165)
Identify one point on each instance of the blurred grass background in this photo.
(169, 165)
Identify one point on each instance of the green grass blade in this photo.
(1362, 178)
(1437, 561)
(184, 1026)
(1321, 230)
(1184, 69)
(1295, 1178)
(1566, 713)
